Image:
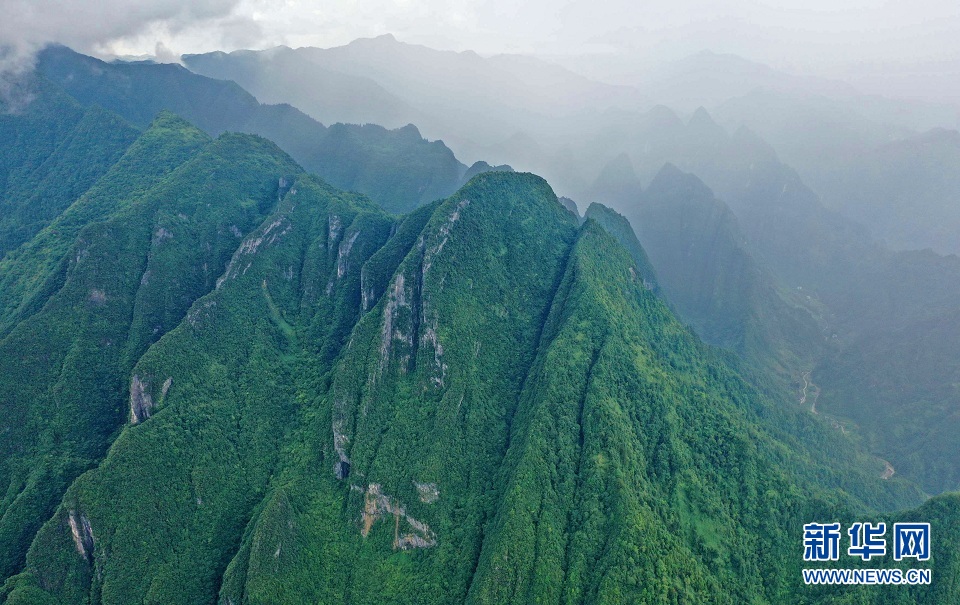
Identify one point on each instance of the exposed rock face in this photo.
(398, 299)
(98, 297)
(341, 468)
(343, 258)
(440, 368)
(334, 225)
(166, 387)
(82, 534)
(444, 234)
(161, 234)
(270, 234)
(141, 399)
(141, 402)
(367, 293)
(344, 253)
(376, 505)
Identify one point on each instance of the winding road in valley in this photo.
(808, 385)
(803, 393)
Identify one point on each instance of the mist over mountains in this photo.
(383, 322)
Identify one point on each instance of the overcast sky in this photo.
(814, 36)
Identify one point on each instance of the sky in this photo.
(823, 37)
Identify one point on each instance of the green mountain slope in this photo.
(54, 150)
(28, 273)
(619, 227)
(478, 402)
(145, 245)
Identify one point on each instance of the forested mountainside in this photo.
(714, 280)
(88, 295)
(812, 287)
(227, 381)
(54, 150)
(619, 227)
(397, 168)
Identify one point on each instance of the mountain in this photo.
(469, 100)
(617, 184)
(223, 379)
(281, 76)
(56, 149)
(899, 389)
(891, 179)
(815, 134)
(119, 269)
(619, 227)
(341, 404)
(758, 263)
(396, 168)
(769, 271)
(873, 302)
(819, 127)
(712, 279)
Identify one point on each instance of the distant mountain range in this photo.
(468, 100)
(398, 168)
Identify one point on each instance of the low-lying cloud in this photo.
(96, 27)
(91, 27)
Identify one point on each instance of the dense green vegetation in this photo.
(54, 150)
(91, 292)
(481, 401)
(619, 227)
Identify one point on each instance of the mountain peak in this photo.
(663, 115)
(410, 130)
(701, 120)
(671, 178)
(669, 171)
(383, 40)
